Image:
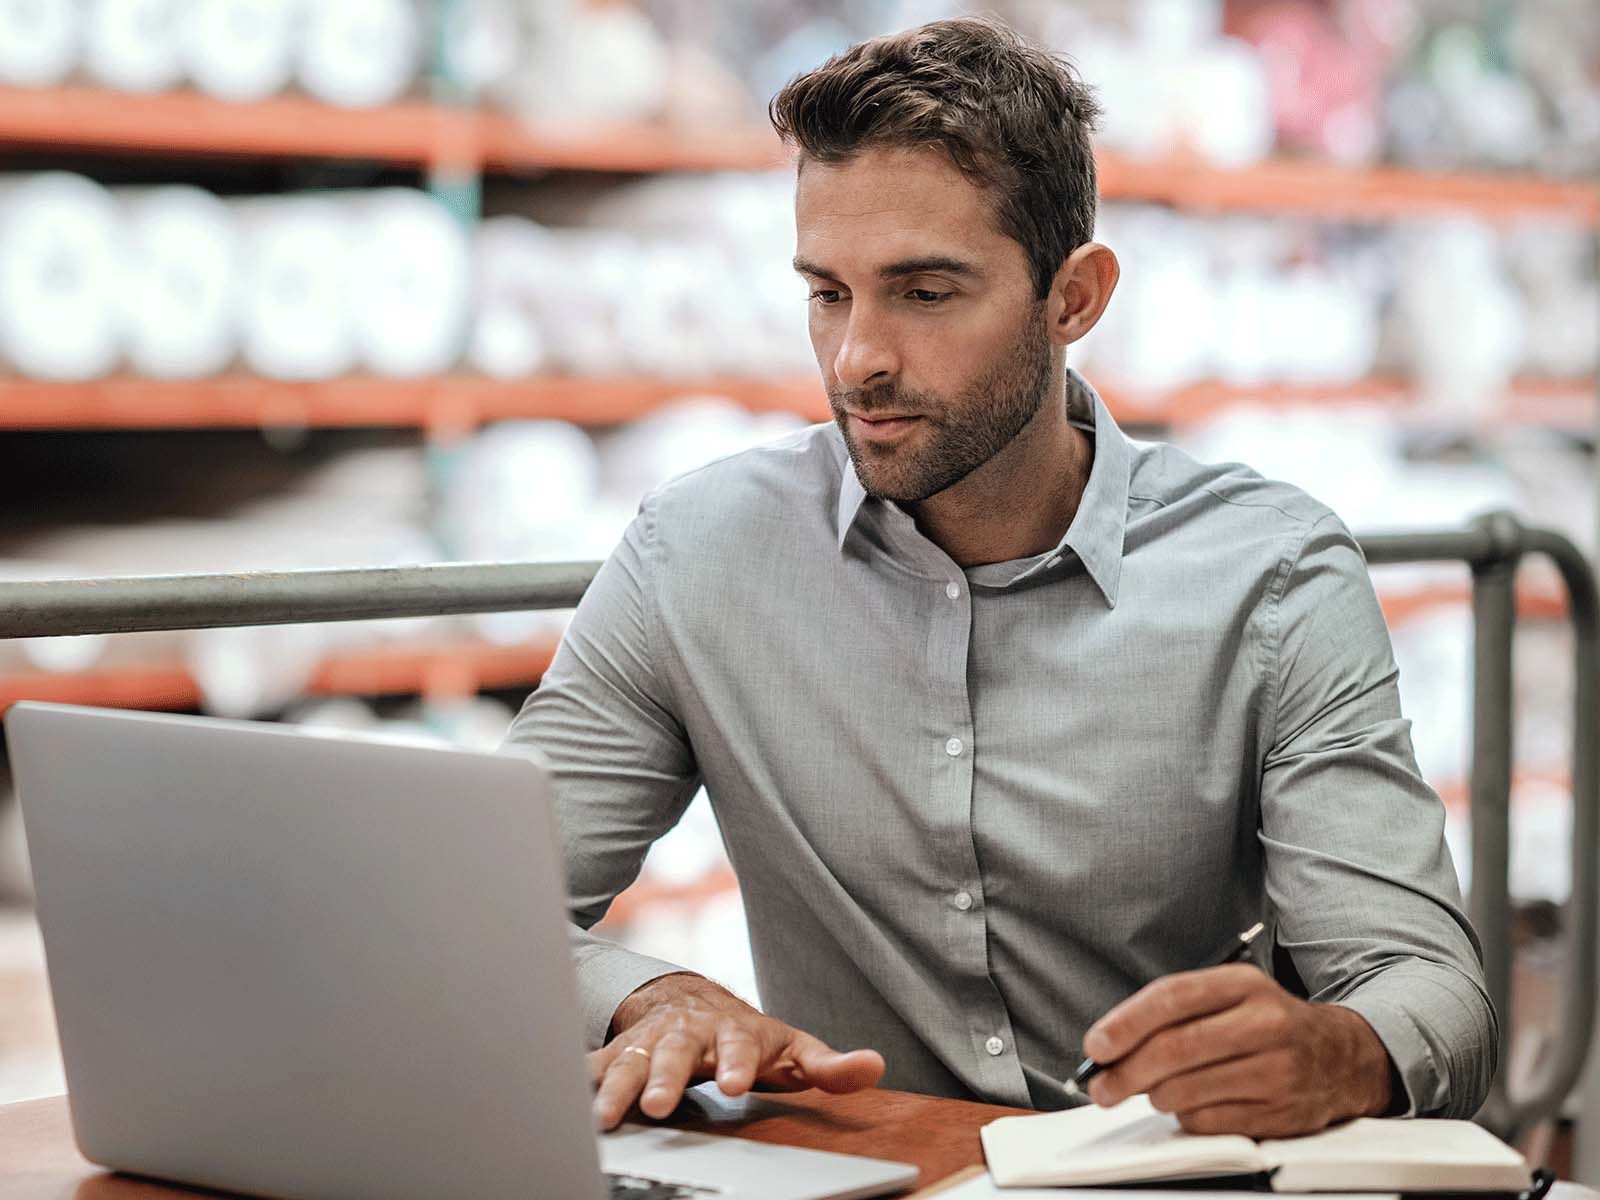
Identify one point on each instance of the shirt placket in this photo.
(992, 1044)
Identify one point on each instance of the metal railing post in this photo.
(1494, 615)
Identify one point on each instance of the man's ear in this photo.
(1080, 291)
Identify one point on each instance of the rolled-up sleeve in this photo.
(622, 765)
(1364, 894)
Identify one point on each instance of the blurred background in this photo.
(305, 283)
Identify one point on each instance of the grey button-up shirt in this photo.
(972, 809)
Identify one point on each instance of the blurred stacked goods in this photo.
(1439, 84)
(353, 53)
(173, 283)
(686, 275)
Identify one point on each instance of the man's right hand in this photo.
(682, 1027)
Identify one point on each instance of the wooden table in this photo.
(39, 1161)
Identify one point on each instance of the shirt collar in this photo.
(1096, 533)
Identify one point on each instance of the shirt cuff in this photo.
(607, 975)
(1409, 1054)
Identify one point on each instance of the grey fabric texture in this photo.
(966, 825)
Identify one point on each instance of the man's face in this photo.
(920, 311)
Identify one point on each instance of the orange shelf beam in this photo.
(648, 893)
(457, 404)
(510, 144)
(1457, 793)
(434, 669)
(1333, 192)
(185, 122)
(1534, 603)
(418, 133)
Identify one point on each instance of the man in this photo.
(1008, 722)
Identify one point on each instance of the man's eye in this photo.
(825, 296)
(925, 296)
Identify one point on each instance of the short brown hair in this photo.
(1010, 115)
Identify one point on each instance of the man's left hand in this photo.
(1227, 1050)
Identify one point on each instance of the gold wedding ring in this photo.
(639, 1050)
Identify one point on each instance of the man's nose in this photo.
(865, 356)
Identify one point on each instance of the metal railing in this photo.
(1491, 547)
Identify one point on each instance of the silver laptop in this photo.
(307, 966)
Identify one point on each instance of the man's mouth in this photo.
(881, 427)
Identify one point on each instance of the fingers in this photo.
(1183, 1048)
(1254, 1078)
(624, 1079)
(672, 1060)
(1256, 1120)
(826, 1068)
(1168, 1001)
(806, 1062)
(653, 1067)
(739, 1057)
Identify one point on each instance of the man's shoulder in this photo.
(1221, 494)
(793, 479)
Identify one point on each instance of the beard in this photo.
(956, 435)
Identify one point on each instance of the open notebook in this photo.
(1134, 1143)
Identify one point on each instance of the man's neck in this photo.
(1019, 503)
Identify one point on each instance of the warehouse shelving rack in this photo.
(1492, 548)
(450, 141)
(447, 406)
(423, 134)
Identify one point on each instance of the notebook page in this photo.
(983, 1187)
(1128, 1142)
(1422, 1153)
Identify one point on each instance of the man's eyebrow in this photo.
(941, 264)
(806, 267)
(924, 264)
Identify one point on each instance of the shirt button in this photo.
(1054, 561)
(953, 590)
(995, 1046)
(963, 900)
(953, 747)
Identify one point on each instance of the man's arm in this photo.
(623, 769)
(1365, 893)
(605, 720)
(1364, 896)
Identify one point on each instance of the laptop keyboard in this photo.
(633, 1187)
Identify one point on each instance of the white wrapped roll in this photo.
(39, 41)
(579, 303)
(409, 284)
(132, 45)
(254, 670)
(59, 269)
(1225, 103)
(296, 318)
(518, 492)
(1463, 317)
(180, 288)
(674, 440)
(513, 259)
(482, 42)
(505, 342)
(358, 53)
(599, 63)
(239, 49)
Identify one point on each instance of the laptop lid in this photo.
(280, 961)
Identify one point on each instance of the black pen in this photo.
(1088, 1069)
